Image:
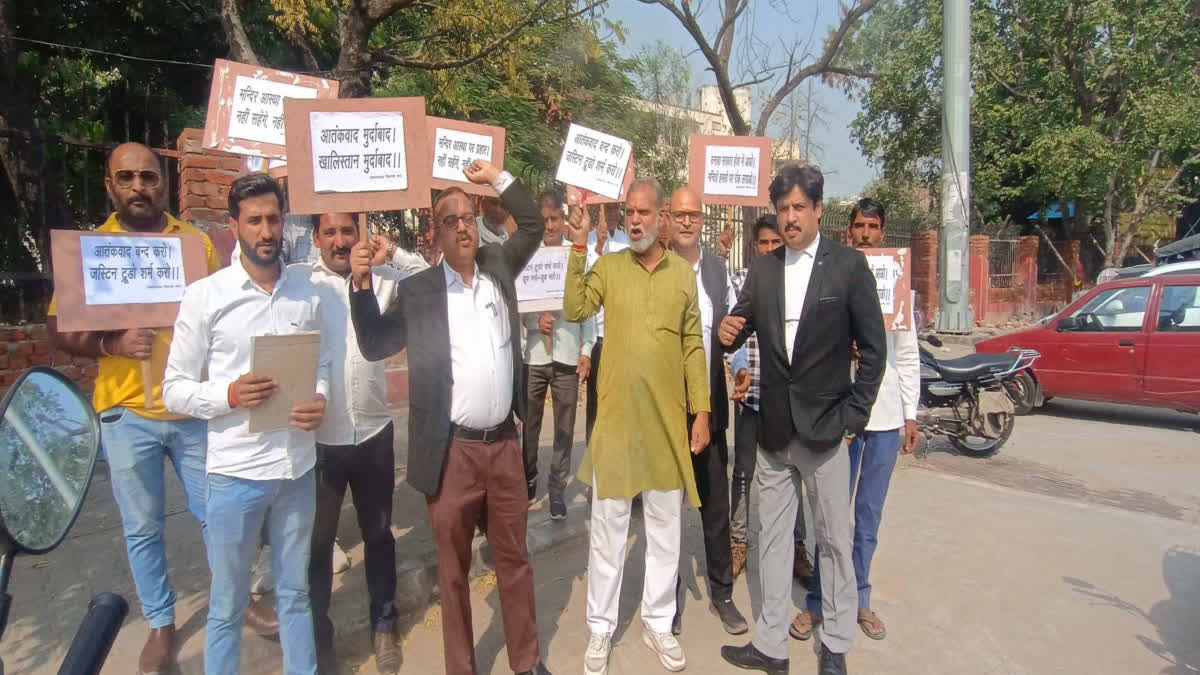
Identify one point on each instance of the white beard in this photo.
(649, 237)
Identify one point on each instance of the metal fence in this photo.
(1002, 262)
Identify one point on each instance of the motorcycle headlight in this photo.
(928, 373)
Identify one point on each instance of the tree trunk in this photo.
(240, 49)
(354, 32)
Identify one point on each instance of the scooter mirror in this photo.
(49, 437)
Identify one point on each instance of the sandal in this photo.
(802, 626)
(871, 626)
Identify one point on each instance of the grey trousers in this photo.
(826, 475)
(563, 383)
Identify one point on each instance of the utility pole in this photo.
(954, 316)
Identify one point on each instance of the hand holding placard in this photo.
(481, 172)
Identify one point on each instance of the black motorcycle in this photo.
(967, 399)
(49, 437)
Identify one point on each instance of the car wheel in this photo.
(1023, 391)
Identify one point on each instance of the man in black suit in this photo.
(460, 324)
(711, 465)
(807, 301)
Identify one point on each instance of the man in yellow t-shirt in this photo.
(137, 432)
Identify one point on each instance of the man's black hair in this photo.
(809, 179)
(868, 207)
(766, 221)
(252, 185)
(552, 199)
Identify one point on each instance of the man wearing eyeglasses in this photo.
(137, 432)
(460, 324)
(710, 465)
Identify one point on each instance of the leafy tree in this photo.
(1090, 101)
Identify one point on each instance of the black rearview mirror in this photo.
(1068, 323)
(49, 438)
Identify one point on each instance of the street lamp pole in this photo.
(954, 315)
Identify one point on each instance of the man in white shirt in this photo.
(557, 359)
(891, 429)
(711, 465)
(252, 477)
(355, 443)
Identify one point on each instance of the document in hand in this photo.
(292, 361)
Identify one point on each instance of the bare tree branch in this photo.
(240, 48)
(832, 46)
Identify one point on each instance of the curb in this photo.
(416, 576)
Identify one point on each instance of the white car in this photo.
(1111, 273)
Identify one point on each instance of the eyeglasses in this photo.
(692, 216)
(451, 222)
(125, 178)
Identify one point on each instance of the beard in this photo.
(252, 254)
(649, 238)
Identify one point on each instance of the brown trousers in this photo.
(484, 476)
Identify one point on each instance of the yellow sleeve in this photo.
(694, 368)
(53, 309)
(210, 254)
(584, 292)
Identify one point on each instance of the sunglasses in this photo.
(125, 178)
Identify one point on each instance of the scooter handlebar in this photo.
(95, 636)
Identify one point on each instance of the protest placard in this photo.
(730, 170)
(454, 144)
(594, 161)
(245, 107)
(113, 281)
(593, 198)
(357, 155)
(893, 282)
(542, 284)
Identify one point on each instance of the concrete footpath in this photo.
(1076, 549)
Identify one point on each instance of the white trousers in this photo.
(606, 559)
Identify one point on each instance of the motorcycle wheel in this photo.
(978, 446)
(1022, 389)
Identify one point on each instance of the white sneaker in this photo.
(595, 662)
(670, 654)
(262, 581)
(341, 561)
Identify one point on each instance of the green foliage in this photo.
(1091, 101)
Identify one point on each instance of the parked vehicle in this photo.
(1133, 341)
(967, 399)
(49, 437)
(1179, 257)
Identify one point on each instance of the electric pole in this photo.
(954, 315)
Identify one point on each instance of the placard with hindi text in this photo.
(730, 170)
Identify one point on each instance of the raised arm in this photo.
(584, 292)
(379, 334)
(866, 328)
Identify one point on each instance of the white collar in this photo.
(811, 250)
(453, 277)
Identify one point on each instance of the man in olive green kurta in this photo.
(652, 368)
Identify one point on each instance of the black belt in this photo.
(505, 429)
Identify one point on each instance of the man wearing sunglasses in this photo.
(137, 432)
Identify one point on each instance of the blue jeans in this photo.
(135, 448)
(237, 509)
(872, 458)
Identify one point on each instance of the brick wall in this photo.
(204, 180)
(924, 273)
(29, 345)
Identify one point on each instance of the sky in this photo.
(770, 21)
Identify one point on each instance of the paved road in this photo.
(1075, 549)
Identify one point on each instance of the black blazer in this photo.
(714, 277)
(417, 319)
(812, 396)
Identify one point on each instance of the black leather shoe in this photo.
(749, 658)
(539, 669)
(830, 663)
(731, 619)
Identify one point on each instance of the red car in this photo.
(1134, 341)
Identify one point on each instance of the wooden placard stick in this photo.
(364, 232)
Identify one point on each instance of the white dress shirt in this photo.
(616, 241)
(481, 355)
(706, 314)
(901, 385)
(797, 271)
(357, 407)
(211, 349)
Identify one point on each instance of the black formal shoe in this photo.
(830, 663)
(731, 619)
(539, 669)
(531, 487)
(749, 658)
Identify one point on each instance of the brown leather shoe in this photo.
(387, 654)
(738, 549)
(157, 654)
(802, 568)
(262, 619)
